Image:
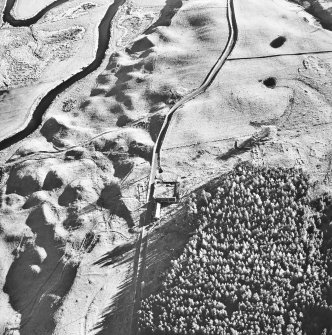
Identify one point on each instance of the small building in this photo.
(165, 193)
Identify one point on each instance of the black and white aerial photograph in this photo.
(165, 167)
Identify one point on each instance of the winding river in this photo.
(7, 16)
(103, 42)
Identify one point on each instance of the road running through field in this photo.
(156, 164)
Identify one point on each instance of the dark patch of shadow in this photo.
(161, 96)
(69, 195)
(199, 20)
(113, 314)
(115, 255)
(52, 181)
(97, 91)
(24, 186)
(166, 15)
(3, 94)
(231, 153)
(237, 149)
(259, 137)
(84, 104)
(311, 230)
(141, 150)
(117, 150)
(116, 109)
(113, 92)
(278, 42)
(76, 154)
(72, 221)
(128, 103)
(123, 75)
(270, 82)
(52, 128)
(165, 244)
(147, 215)
(156, 122)
(110, 198)
(165, 19)
(122, 168)
(103, 79)
(165, 94)
(138, 66)
(316, 319)
(122, 211)
(323, 205)
(120, 97)
(259, 124)
(116, 315)
(142, 44)
(169, 245)
(90, 241)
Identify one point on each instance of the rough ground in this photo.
(73, 192)
(35, 59)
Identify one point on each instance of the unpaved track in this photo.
(155, 163)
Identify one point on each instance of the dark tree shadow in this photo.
(116, 255)
(113, 314)
(232, 153)
(119, 314)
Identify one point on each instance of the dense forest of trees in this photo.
(259, 262)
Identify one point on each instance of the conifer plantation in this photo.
(258, 263)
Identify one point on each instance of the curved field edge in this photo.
(258, 262)
(36, 116)
(10, 9)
